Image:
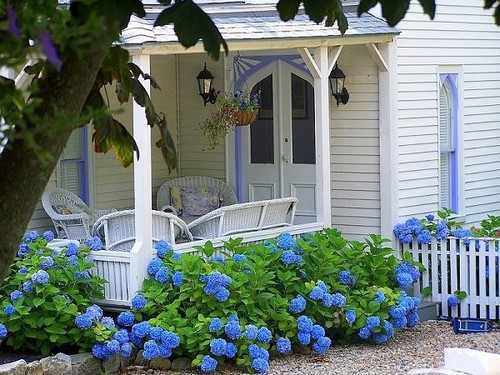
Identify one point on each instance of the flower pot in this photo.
(245, 118)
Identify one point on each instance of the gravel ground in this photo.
(422, 347)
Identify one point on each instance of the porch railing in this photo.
(468, 265)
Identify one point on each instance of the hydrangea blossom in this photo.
(462, 233)
(15, 295)
(23, 250)
(9, 310)
(322, 345)
(232, 330)
(238, 258)
(286, 242)
(208, 364)
(3, 331)
(424, 237)
(218, 347)
(283, 345)
(260, 365)
(327, 300)
(99, 351)
(297, 305)
(215, 325)
(163, 275)
(216, 284)
(251, 332)
(94, 243)
(113, 346)
(231, 350)
(379, 296)
(125, 319)
(170, 339)
(317, 331)
(151, 350)
(346, 278)
(84, 321)
(46, 263)
(22, 270)
(154, 266)
(350, 317)
(139, 302)
(264, 335)
(256, 351)
(177, 278)
(403, 233)
(304, 338)
(304, 324)
(126, 350)
(40, 277)
(217, 258)
(453, 301)
(430, 217)
(364, 333)
(163, 248)
(442, 230)
(108, 322)
(141, 329)
(404, 280)
(372, 322)
(290, 258)
(30, 236)
(121, 336)
(338, 300)
(71, 250)
(95, 312)
(155, 333)
(317, 293)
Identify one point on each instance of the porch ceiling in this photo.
(251, 26)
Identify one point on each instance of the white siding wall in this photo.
(355, 148)
(195, 159)
(112, 185)
(463, 34)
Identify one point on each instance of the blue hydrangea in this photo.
(424, 237)
(322, 345)
(270, 246)
(304, 338)
(46, 263)
(339, 300)
(3, 331)
(84, 321)
(208, 364)
(256, 351)
(218, 347)
(232, 330)
(238, 258)
(462, 233)
(99, 351)
(48, 235)
(216, 285)
(286, 241)
(260, 365)
(40, 277)
(399, 322)
(380, 338)
(379, 296)
(231, 350)
(163, 275)
(430, 217)
(233, 318)
(215, 325)
(94, 243)
(170, 339)
(136, 340)
(388, 328)
(23, 250)
(350, 317)
(453, 301)
(347, 278)
(364, 333)
(113, 346)
(164, 351)
(154, 266)
(141, 329)
(372, 322)
(403, 233)
(163, 248)
(71, 250)
(327, 300)
(73, 260)
(397, 312)
(15, 295)
(264, 335)
(217, 258)
(83, 275)
(126, 350)
(151, 350)
(9, 310)
(125, 319)
(317, 331)
(283, 345)
(155, 333)
(317, 293)
(251, 332)
(23, 270)
(442, 230)
(404, 280)
(95, 312)
(414, 225)
(121, 336)
(108, 322)
(289, 258)
(304, 324)
(177, 278)
(30, 236)
(139, 302)
(412, 319)
(297, 305)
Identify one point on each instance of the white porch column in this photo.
(142, 251)
(319, 68)
(386, 55)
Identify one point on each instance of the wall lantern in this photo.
(207, 92)
(337, 80)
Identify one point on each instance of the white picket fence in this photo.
(458, 265)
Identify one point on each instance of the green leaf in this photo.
(288, 9)
(426, 292)
(191, 24)
(461, 295)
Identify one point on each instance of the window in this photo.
(448, 141)
(72, 166)
(262, 130)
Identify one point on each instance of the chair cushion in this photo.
(198, 201)
(63, 210)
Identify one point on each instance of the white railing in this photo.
(471, 266)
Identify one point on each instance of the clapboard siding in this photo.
(355, 149)
(463, 34)
(195, 157)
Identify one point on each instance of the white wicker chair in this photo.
(118, 229)
(75, 225)
(227, 195)
(245, 217)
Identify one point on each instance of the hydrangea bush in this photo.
(43, 294)
(267, 298)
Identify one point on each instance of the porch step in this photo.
(428, 311)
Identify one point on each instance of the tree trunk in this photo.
(23, 173)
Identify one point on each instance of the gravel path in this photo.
(421, 347)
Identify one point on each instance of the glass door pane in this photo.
(303, 143)
(262, 130)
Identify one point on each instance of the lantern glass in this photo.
(337, 78)
(205, 79)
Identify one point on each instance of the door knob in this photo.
(285, 159)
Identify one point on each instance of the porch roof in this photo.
(252, 21)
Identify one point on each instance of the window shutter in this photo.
(444, 177)
(445, 146)
(71, 167)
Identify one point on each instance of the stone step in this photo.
(427, 311)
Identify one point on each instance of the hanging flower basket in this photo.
(245, 118)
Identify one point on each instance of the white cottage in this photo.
(419, 131)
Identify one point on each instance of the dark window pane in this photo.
(303, 142)
(261, 131)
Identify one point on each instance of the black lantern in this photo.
(207, 92)
(337, 80)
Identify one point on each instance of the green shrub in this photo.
(44, 292)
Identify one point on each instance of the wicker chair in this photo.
(163, 202)
(118, 229)
(244, 218)
(75, 225)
